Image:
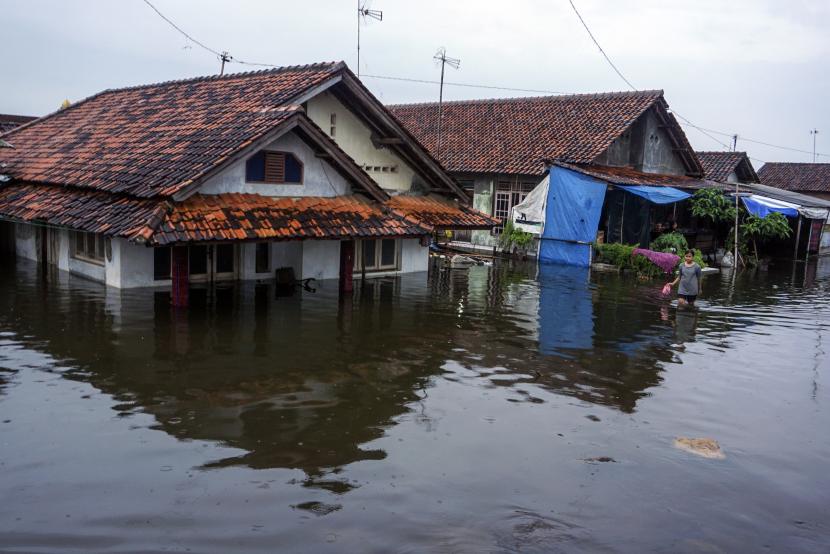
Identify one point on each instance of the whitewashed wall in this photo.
(321, 259)
(414, 257)
(355, 138)
(319, 178)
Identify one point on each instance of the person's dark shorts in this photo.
(690, 298)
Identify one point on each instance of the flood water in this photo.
(463, 411)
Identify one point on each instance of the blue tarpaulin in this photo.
(566, 310)
(657, 195)
(571, 217)
(761, 206)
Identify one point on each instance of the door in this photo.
(209, 263)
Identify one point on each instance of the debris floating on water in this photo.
(600, 459)
(708, 448)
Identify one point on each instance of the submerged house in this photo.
(501, 149)
(728, 167)
(227, 177)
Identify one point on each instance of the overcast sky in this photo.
(758, 68)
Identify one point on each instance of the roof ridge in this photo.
(612, 94)
(230, 76)
(720, 152)
(797, 163)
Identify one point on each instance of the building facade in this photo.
(224, 178)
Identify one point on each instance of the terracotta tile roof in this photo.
(628, 176)
(84, 210)
(9, 122)
(154, 140)
(439, 213)
(799, 177)
(240, 217)
(718, 166)
(516, 135)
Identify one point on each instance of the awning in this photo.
(762, 206)
(656, 194)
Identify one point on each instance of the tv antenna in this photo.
(455, 63)
(814, 132)
(364, 13)
(224, 57)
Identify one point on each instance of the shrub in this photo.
(511, 237)
(670, 242)
(712, 204)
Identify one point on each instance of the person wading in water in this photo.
(688, 275)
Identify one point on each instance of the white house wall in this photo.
(321, 259)
(355, 138)
(319, 178)
(414, 257)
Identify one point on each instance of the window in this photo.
(508, 195)
(161, 263)
(197, 259)
(333, 128)
(274, 168)
(377, 255)
(263, 257)
(224, 258)
(88, 247)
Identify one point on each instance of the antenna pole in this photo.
(455, 63)
(364, 12)
(224, 57)
(735, 142)
(814, 132)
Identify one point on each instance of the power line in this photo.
(226, 57)
(590, 34)
(190, 38)
(469, 85)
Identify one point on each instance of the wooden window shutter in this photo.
(274, 167)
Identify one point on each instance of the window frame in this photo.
(267, 250)
(275, 181)
(378, 267)
(82, 251)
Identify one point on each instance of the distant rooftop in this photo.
(800, 177)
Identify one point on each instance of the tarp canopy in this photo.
(572, 216)
(762, 206)
(529, 214)
(657, 195)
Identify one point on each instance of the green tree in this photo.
(712, 204)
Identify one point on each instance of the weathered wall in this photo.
(646, 147)
(355, 138)
(484, 187)
(25, 241)
(414, 257)
(319, 178)
(321, 259)
(134, 264)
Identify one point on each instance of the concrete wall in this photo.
(25, 241)
(319, 178)
(414, 257)
(355, 138)
(646, 147)
(321, 259)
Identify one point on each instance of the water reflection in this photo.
(305, 381)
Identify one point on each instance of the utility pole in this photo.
(224, 57)
(455, 63)
(362, 14)
(814, 132)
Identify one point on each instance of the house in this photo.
(500, 149)
(227, 177)
(807, 184)
(9, 122)
(812, 179)
(728, 167)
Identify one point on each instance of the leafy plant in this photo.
(511, 238)
(670, 242)
(712, 204)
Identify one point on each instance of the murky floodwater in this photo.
(460, 412)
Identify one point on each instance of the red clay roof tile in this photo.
(517, 135)
(800, 177)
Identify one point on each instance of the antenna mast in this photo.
(455, 63)
(362, 13)
(814, 132)
(224, 57)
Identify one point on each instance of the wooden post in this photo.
(797, 237)
(346, 265)
(179, 274)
